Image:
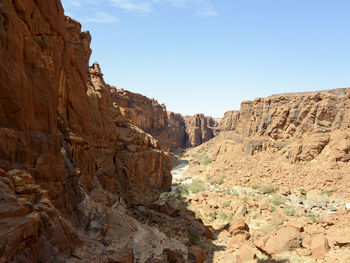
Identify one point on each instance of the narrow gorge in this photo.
(86, 169)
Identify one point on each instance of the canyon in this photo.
(86, 168)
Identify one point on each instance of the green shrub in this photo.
(196, 186)
(255, 186)
(302, 191)
(289, 211)
(267, 189)
(277, 200)
(183, 189)
(327, 192)
(206, 159)
(212, 215)
(221, 215)
(312, 217)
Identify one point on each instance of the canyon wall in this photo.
(145, 113)
(67, 151)
(191, 131)
(302, 125)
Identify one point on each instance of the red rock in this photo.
(319, 246)
(298, 225)
(189, 131)
(237, 224)
(174, 256)
(63, 133)
(284, 239)
(196, 254)
(241, 211)
(245, 254)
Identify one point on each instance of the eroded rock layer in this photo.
(302, 125)
(145, 113)
(67, 152)
(190, 131)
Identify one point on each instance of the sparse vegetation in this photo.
(268, 189)
(212, 215)
(255, 186)
(227, 192)
(289, 211)
(206, 159)
(326, 192)
(221, 215)
(302, 191)
(203, 158)
(196, 186)
(225, 204)
(183, 189)
(313, 218)
(278, 199)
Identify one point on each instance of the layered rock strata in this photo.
(190, 131)
(302, 125)
(144, 113)
(67, 152)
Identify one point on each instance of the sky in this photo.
(207, 56)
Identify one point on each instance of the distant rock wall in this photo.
(191, 131)
(302, 125)
(199, 129)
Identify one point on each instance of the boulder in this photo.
(237, 224)
(319, 246)
(196, 254)
(245, 254)
(284, 239)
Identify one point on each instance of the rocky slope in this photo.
(67, 151)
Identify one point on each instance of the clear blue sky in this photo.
(206, 56)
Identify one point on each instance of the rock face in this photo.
(177, 129)
(64, 134)
(304, 125)
(145, 113)
(190, 131)
(200, 129)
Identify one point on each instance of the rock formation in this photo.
(144, 113)
(190, 131)
(67, 151)
(302, 125)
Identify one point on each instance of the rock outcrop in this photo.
(199, 129)
(177, 130)
(62, 134)
(191, 131)
(303, 125)
(144, 113)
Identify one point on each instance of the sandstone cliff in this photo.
(145, 113)
(302, 125)
(67, 153)
(190, 131)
